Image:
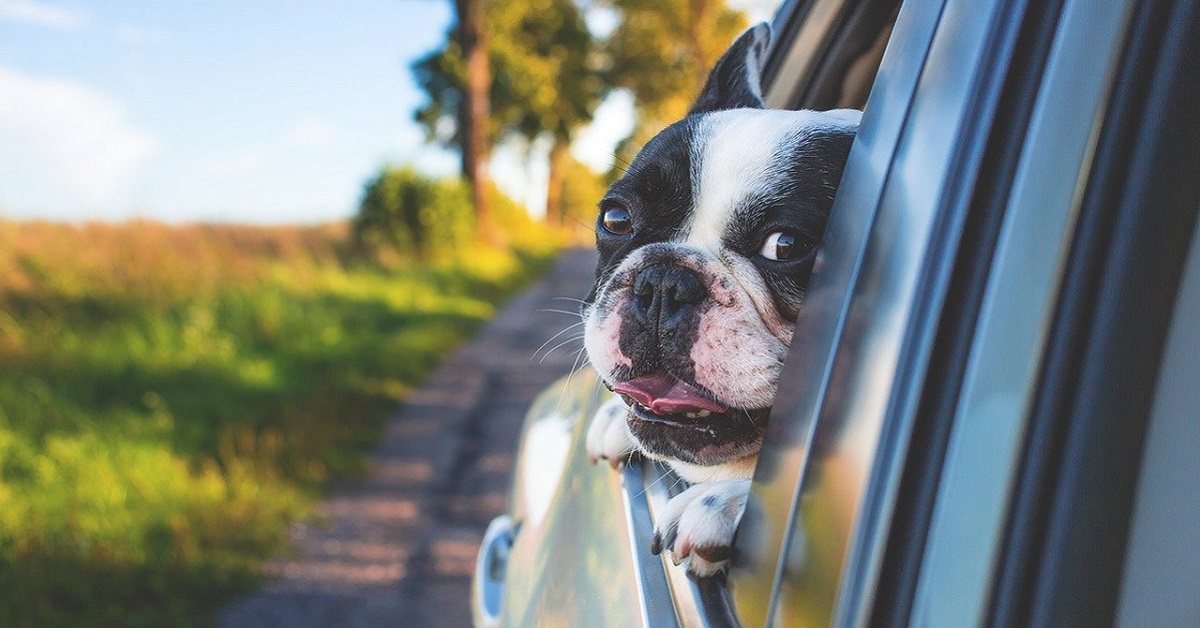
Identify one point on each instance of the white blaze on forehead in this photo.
(736, 155)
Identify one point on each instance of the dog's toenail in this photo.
(713, 553)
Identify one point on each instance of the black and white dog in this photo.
(706, 246)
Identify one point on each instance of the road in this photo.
(397, 547)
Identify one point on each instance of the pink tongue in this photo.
(664, 394)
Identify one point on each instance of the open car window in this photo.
(824, 55)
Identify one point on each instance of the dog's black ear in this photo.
(735, 81)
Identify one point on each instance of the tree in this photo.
(662, 52)
(545, 79)
(458, 79)
(549, 61)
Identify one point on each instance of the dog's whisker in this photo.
(651, 485)
(590, 227)
(575, 366)
(551, 339)
(552, 311)
(672, 487)
(569, 299)
(560, 345)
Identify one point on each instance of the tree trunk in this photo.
(474, 113)
(559, 152)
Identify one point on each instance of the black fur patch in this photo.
(657, 192)
(729, 85)
(811, 168)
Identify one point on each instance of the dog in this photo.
(706, 244)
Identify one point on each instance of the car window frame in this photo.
(795, 426)
(958, 42)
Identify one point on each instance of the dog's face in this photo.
(706, 245)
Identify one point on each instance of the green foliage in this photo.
(544, 66)
(662, 51)
(410, 216)
(172, 397)
(545, 79)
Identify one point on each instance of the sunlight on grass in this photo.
(172, 397)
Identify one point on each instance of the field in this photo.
(172, 397)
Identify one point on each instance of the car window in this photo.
(824, 54)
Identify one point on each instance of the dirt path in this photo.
(398, 547)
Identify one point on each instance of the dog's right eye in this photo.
(617, 221)
(783, 246)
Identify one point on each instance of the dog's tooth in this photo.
(704, 413)
(693, 415)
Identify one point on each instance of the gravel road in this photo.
(397, 548)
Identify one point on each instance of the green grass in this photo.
(171, 398)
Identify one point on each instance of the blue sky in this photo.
(258, 111)
(263, 111)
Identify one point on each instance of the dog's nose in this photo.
(664, 294)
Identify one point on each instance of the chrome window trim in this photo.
(767, 530)
(958, 565)
(928, 191)
(881, 346)
(655, 597)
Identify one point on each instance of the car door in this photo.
(963, 396)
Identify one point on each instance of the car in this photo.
(989, 413)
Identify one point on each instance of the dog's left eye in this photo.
(783, 246)
(617, 221)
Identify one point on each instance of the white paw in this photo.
(608, 434)
(697, 526)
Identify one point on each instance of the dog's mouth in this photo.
(673, 418)
(666, 399)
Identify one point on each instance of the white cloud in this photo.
(69, 135)
(42, 14)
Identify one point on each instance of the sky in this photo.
(260, 111)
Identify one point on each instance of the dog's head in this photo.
(706, 245)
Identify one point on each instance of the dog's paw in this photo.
(608, 436)
(697, 526)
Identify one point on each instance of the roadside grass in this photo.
(172, 397)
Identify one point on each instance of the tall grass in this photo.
(171, 397)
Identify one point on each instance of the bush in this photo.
(420, 218)
(412, 214)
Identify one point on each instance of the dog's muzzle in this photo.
(664, 296)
